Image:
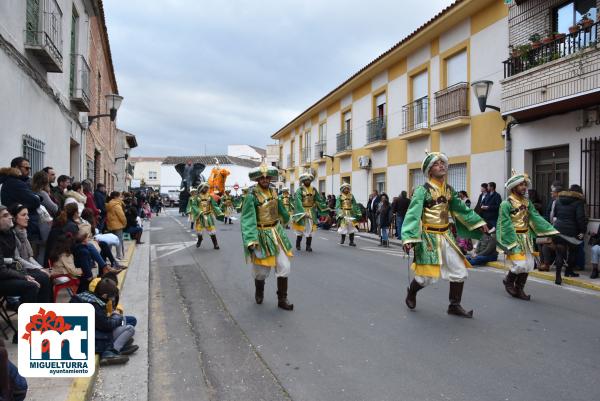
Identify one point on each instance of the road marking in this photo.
(170, 249)
(326, 239)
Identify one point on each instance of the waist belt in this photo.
(523, 231)
(267, 225)
(437, 229)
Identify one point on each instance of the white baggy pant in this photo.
(522, 266)
(346, 227)
(453, 267)
(308, 228)
(282, 269)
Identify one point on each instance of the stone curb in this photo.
(81, 388)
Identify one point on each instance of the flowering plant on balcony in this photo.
(585, 21)
(535, 40)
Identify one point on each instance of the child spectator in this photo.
(485, 251)
(13, 386)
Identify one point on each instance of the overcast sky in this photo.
(198, 75)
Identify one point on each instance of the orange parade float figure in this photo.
(216, 180)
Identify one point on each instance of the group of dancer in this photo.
(425, 230)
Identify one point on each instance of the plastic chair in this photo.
(63, 281)
(126, 237)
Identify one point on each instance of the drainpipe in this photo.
(508, 148)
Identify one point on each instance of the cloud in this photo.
(200, 75)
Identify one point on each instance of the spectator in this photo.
(62, 258)
(116, 220)
(100, 200)
(41, 186)
(384, 219)
(89, 201)
(16, 189)
(13, 281)
(75, 195)
(483, 194)
(51, 180)
(372, 207)
(595, 243)
(133, 228)
(13, 386)
(490, 206)
(571, 224)
(555, 188)
(485, 251)
(464, 196)
(104, 297)
(399, 208)
(100, 251)
(545, 244)
(64, 182)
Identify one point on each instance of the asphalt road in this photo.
(350, 336)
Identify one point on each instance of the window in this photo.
(347, 122)
(74, 29)
(346, 180)
(590, 177)
(420, 90)
(323, 132)
(33, 150)
(420, 85)
(379, 182)
(570, 13)
(416, 178)
(456, 69)
(321, 186)
(457, 176)
(152, 175)
(380, 106)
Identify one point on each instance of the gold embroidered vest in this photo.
(308, 197)
(205, 204)
(435, 211)
(519, 214)
(267, 213)
(285, 199)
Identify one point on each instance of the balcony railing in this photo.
(344, 141)
(377, 129)
(290, 161)
(320, 147)
(80, 82)
(43, 33)
(451, 102)
(306, 154)
(563, 45)
(416, 115)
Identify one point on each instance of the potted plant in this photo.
(585, 21)
(513, 52)
(549, 38)
(559, 36)
(574, 28)
(535, 40)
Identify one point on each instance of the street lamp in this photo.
(482, 90)
(322, 155)
(113, 102)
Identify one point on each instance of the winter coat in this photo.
(115, 215)
(100, 200)
(15, 189)
(384, 215)
(75, 197)
(569, 212)
(8, 249)
(486, 246)
(492, 201)
(90, 204)
(400, 206)
(105, 323)
(66, 265)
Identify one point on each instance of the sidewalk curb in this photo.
(81, 388)
(551, 276)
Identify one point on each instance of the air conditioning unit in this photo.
(364, 162)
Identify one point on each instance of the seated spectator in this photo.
(40, 185)
(131, 320)
(595, 243)
(14, 281)
(100, 201)
(63, 262)
(76, 195)
(133, 227)
(88, 230)
(111, 343)
(13, 386)
(325, 222)
(64, 182)
(485, 251)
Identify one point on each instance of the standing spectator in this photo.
(555, 188)
(571, 224)
(384, 219)
(100, 200)
(116, 220)
(64, 182)
(372, 207)
(90, 203)
(481, 198)
(595, 243)
(464, 196)
(490, 206)
(485, 251)
(75, 195)
(16, 189)
(546, 245)
(399, 208)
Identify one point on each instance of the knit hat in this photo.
(516, 179)
(263, 171)
(345, 185)
(430, 159)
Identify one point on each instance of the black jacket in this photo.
(570, 214)
(492, 201)
(8, 246)
(16, 189)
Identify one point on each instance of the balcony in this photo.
(320, 148)
(451, 107)
(305, 156)
(416, 118)
(376, 133)
(557, 77)
(344, 144)
(290, 162)
(80, 82)
(43, 34)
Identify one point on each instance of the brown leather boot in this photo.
(282, 286)
(214, 241)
(455, 308)
(352, 240)
(199, 242)
(520, 284)
(308, 244)
(544, 267)
(411, 294)
(298, 243)
(509, 283)
(259, 294)
(343, 239)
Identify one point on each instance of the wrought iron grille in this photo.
(290, 161)
(590, 175)
(456, 178)
(525, 57)
(43, 26)
(344, 141)
(451, 102)
(416, 115)
(320, 147)
(306, 154)
(33, 150)
(377, 129)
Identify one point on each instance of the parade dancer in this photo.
(426, 228)
(205, 209)
(308, 205)
(266, 245)
(286, 199)
(348, 214)
(192, 208)
(518, 225)
(240, 199)
(227, 206)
